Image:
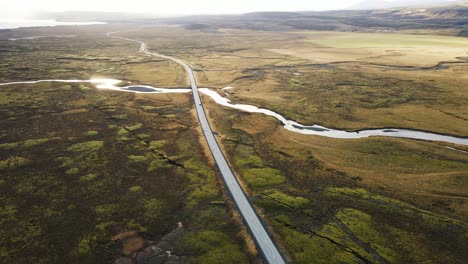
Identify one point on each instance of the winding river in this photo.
(109, 84)
(112, 84)
(335, 133)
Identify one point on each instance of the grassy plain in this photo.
(66, 53)
(375, 200)
(348, 201)
(343, 80)
(380, 48)
(80, 168)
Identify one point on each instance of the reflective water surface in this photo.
(11, 23)
(111, 84)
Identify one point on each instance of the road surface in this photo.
(263, 240)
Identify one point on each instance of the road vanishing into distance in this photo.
(257, 229)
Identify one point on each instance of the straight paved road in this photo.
(264, 242)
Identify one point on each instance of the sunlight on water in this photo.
(11, 24)
(111, 84)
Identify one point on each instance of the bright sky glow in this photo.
(15, 8)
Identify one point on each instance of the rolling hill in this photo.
(383, 4)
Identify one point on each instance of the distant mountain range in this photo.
(448, 16)
(383, 4)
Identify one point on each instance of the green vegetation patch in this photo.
(72, 171)
(88, 178)
(120, 117)
(135, 189)
(351, 236)
(355, 230)
(254, 161)
(306, 248)
(148, 107)
(246, 156)
(363, 228)
(158, 163)
(14, 162)
(286, 200)
(91, 133)
(87, 146)
(136, 158)
(261, 177)
(143, 136)
(152, 208)
(135, 127)
(362, 195)
(214, 247)
(27, 143)
(86, 244)
(157, 144)
(203, 181)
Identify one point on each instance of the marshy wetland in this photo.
(81, 166)
(367, 200)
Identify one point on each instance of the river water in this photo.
(335, 133)
(111, 84)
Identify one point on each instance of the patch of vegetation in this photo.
(84, 192)
(14, 162)
(91, 133)
(26, 144)
(214, 247)
(88, 178)
(399, 207)
(286, 200)
(203, 181)
(134, 127)
(148, 107)
(135, 189)
(135, 158)
(324, 215)
(89, 146)
(305, 248)
(246, 157)
(72, 171)
(262, 177)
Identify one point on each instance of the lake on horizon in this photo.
(12, 24)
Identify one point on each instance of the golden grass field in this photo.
(380, 48)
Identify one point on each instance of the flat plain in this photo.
(81, 168)
(329, 201)
(373, 200)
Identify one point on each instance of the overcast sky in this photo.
(19, 8)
